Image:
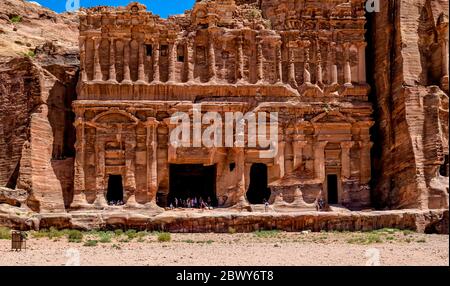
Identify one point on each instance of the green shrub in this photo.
(164, 237)
(29, 54)
(5, 233)
(90, 243)
(75, 235)
(55, 233)
(231, 230)
(105, 237)
(118, 232)
(131, 233)
(266, 233)
(16, 19)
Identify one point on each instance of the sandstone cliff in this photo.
(38, 76)
(407, 46)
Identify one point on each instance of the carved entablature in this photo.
(309, 48)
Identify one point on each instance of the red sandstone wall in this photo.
(401, 80)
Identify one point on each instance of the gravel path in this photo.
(238, 249)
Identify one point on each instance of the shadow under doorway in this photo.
(192, 181)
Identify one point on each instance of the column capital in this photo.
(365, 144)
(300, 144)
(151, 121)
(347, 144)
(321, 144)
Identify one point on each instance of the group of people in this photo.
(116, 203)
(199, 203)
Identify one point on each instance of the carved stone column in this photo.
(84, 76)
(347, 67)
(334, 74)
(141, 67)
(279, 62)
(79, 198)
(240, 171)
(345, 158)
(306, 73)
(190, 60)
(112, 61)
(319, 79)
(98, 76)
(333, 71)
(362, 62)
(126, 62)
(292, 80)
(156, 73)
(152, 160)
(212, 60)
(240, 59)
(260, 58)
(319, 159)
(297, 147)
(172, 60)
(100, 184)
(365, 147)
(130, 180)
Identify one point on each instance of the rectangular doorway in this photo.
(192, 181)
(332, 189)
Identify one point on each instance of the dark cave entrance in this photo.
(444, 170)
(115, 189)
(192, 181)
(332, 188)
(258, 190)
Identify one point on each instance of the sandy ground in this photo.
(237, 249)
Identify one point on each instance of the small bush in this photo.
(266, 233)
(105, 237)
(118, 232)
(164, 237)
(75, 235)
(115, 246)
(16, 19)
(55, 233)
(5, 233)
(131, 233)
(90, 243)
(231, 230)
(188, 241)
(422, 240)
(29, 54)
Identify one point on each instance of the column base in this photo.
(113, 81)
(131, 202)
(141, 81)
(79, 202)
(100, 202)
(153, 205)
(126, 81)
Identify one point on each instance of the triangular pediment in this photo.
(332, 116)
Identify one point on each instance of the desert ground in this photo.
(381, 247)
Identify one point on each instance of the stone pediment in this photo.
(331, 117)
(114, 116)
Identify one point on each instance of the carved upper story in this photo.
(310, 47)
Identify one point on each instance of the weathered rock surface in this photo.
(13, 197)
(409, 52)
(25, 26)
(220, 221)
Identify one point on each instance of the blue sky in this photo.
(160, 7)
